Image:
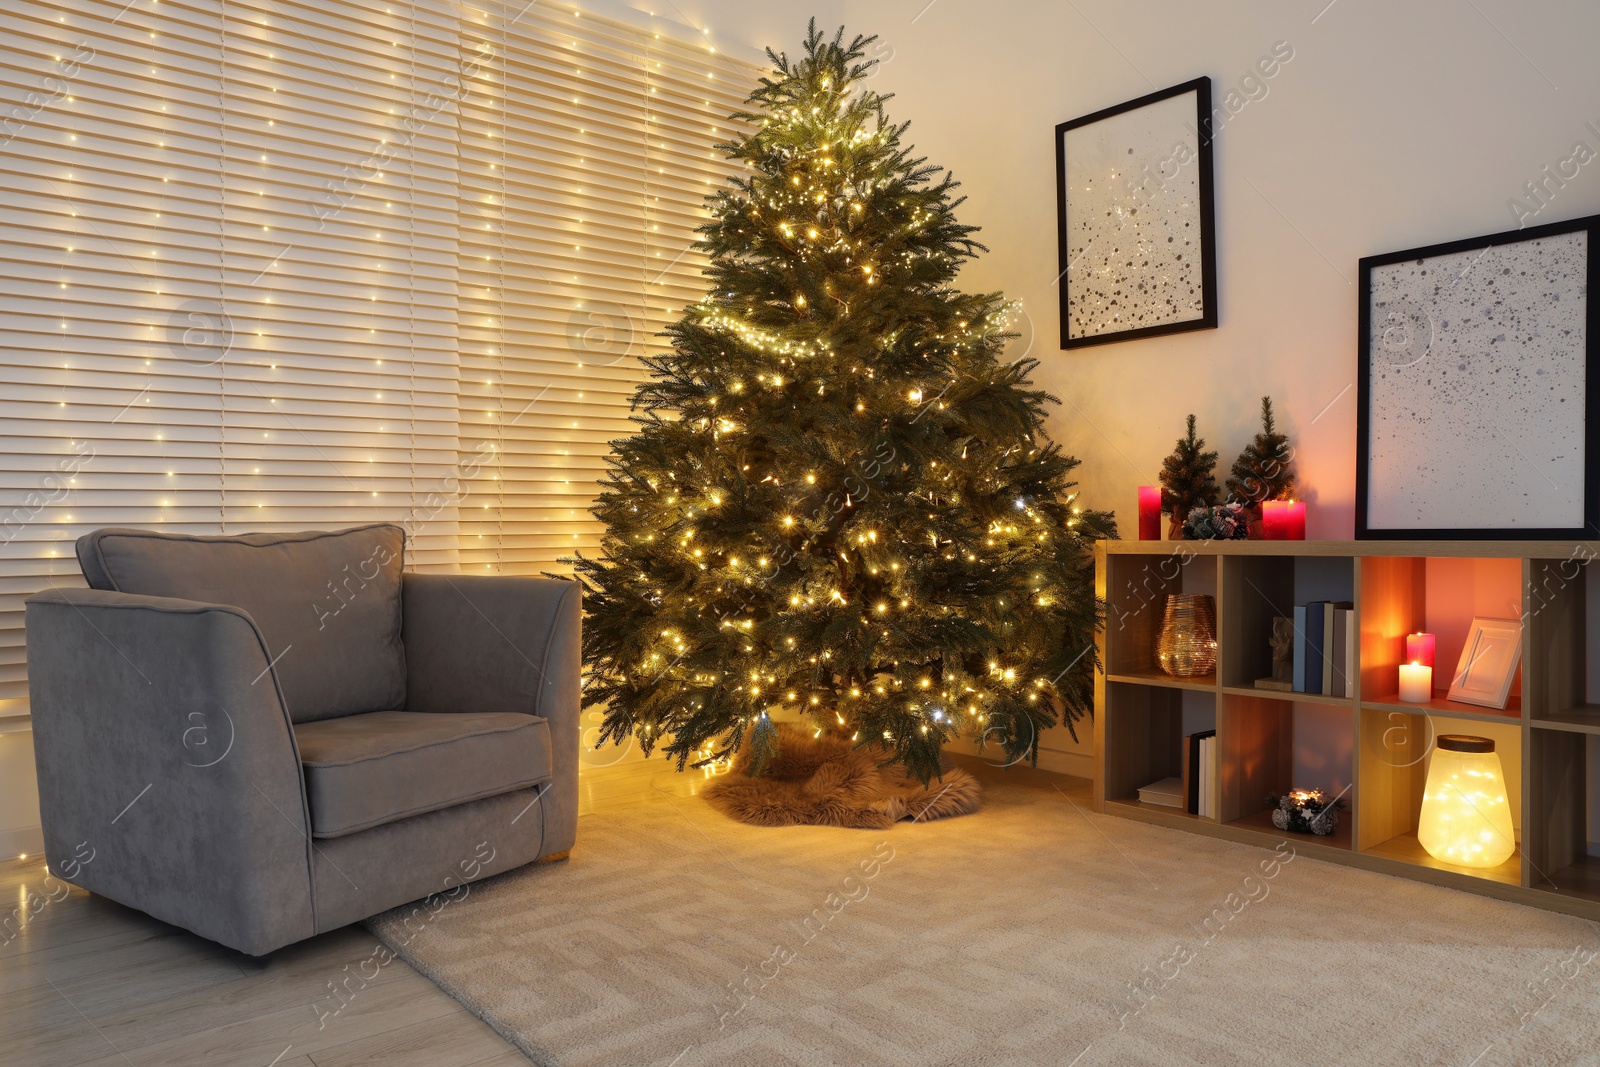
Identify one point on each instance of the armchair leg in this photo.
(554, 857)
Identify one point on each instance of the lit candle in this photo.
(1419, 648)
(1416, 683)
(1149, 513)
(1275, 520)
(1295, 520)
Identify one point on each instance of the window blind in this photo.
(273, 265)
(109, 234)
(587, 151)
(338, 231)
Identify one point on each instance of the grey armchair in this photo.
(264, 737)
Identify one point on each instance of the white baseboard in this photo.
(26, 839)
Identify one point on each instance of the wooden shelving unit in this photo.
(1368, 746)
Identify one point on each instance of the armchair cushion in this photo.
(327, 604)
(367, 770)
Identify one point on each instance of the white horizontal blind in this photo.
(586, 150)
(287, 264)
(227, 276)
(108, 228)
(338, 230)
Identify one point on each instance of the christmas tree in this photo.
(1264, 469)
(840, 503)
(1188, 479)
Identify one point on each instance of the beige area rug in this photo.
(1030, 933)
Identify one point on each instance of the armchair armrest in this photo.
(165, 754)
(479, 643)
(491, 643)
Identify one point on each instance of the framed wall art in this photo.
(1477, 413)
(1134, 219)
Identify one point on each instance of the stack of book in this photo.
(1200, 773)
(1325, 644)
(1191, 793)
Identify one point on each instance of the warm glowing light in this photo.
(1416, 683)
(1466, 817)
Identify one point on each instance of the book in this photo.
(1191, 781)
(1208, 774)
(1334, 674)
(1168, 793)
(1340, 662)
(1316, 634)
(1299, 648)
(1332, 655)
(1352, 652)
(1191, 770)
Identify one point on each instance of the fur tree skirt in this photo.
(825, 782)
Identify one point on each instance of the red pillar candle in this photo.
(1294, 520)
(1275, 520)
(1419, 649)
(1149, 513)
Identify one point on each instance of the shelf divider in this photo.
(1261, 822)
(1406, 847)
(1287, 697)
(1583, 719)
(1441, 706)
(1205, 683)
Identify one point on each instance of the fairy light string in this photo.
(840, 504)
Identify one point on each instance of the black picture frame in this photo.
(1201, 131)
(1589, 529)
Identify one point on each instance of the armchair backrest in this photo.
(327, 603)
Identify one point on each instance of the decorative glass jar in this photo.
(1466, 816)
(1187, 644)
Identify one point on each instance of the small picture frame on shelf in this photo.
(1489, 662)
(1134, 218)
(1478, 411)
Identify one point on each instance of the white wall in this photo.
(1394, 125)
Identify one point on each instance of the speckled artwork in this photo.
(1477, 379)
(1133, 221)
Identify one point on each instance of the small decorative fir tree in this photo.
(840, 502)
(1265, 469)
(1188, 480)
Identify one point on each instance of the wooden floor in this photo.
(91, 983)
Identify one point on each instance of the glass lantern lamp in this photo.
(1466, 817)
